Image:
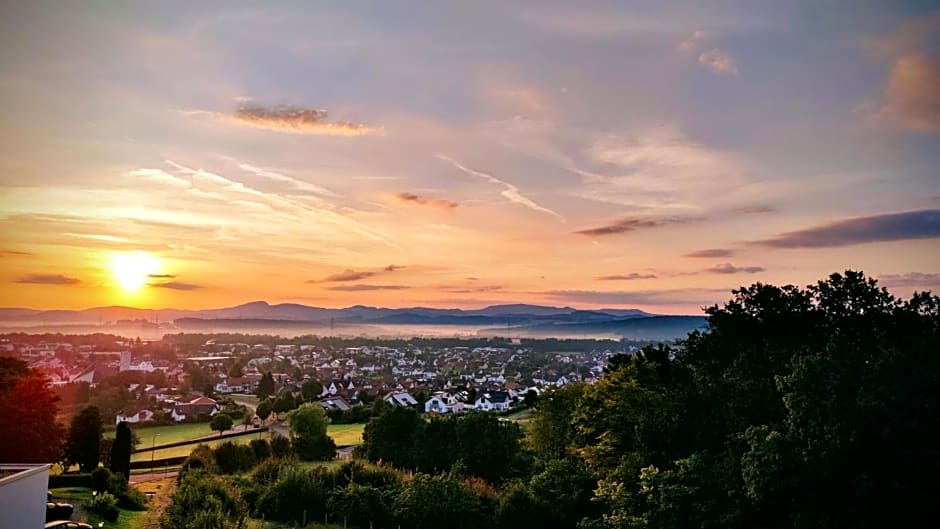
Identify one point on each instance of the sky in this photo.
(592, 154)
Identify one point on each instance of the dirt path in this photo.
(162, 490)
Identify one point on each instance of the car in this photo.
(67, 524)
(58, 511)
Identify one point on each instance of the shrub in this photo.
(261, 449)
(360, 506)
(267, 472)
(205, 501)
(296, 491)
(280, 446)
(233, 458)
(106, 506)
(382, 477)
(99, 479)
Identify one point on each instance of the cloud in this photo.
(718, 61)
(912, 98)
(681, 296)
(175, 285)
(728, 268)
(628, 277)
(910, 279)
(754, 210)
(712, 252)
(300, 185)
(298, 121)
(923, 224)
(629, 224)
(426, 201)
(8, 253)
(693, 42)
(161, 276)
(366, 288)
(393, 267)
(509, 191)
(47, 279)
(658, 168)
(345, 275)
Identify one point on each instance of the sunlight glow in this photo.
(132, 270)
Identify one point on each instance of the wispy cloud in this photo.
(300, 185)
(345, 275)
(509, 191)
(17, 253)
(176, 285)
(728, 268)
(47, 279)
(426, 201)
(924, 224)
(393, 267)
(680, 296)
(910, 279)
(633, 276)
(718, 61)
(298, 121)
(712, 252)
(366, 288)
(629, 224)
(693, 42)
(754, 210)
(161, 276)
(912, 98)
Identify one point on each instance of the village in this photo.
(167, 381)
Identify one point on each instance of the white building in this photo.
(23, 492)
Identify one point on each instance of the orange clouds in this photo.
(912, 98)
(298, 121)
(426, 201)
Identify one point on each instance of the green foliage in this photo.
(308, 433)
(359, 506)
(486, 446)
(265, 407)
(120, 458)
(105, 505)
(280, 446)
(285, 402)
(432, 502)
(265, 386)
(82, 445)
(311, 389)
(297, 491)
(221, 422)
(232, 458)
(99, 479)
(261, 449)
(201, 458)
(204, 501)
(549, 433)
(267, 471)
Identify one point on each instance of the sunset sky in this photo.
(204, 154)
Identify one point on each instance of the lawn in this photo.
(346, 434)
(184, 450)
(173, 433)
(81, 497)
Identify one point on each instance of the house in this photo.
(194, 408)
(400, 398)
(436, 404)
(23, 492)
(335, 403)
(493, 400)
(134, 415)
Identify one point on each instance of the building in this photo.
(23, 493)
(400, 398)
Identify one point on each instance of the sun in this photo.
(132, 270)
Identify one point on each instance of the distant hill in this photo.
(531, 319)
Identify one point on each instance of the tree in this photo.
(360, 506)
(308, 433)
(531, 398)
(204, 501)
(549, 433)
(265, 386)
(393, 436)
(431, 502)
(311, 390)
(284, 403)
(264, 409)
(29, 432)
(120, 458)
(220, 423)
(82, 445)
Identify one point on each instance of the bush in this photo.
(70, 480)
(106, 506)
(360, 506)
(201, 458)
(267, 472)
(280, 446)
(320, 448)
(296, 491)
(99, 479)
(261, 449)
(381, 477)
(233, 458)
(204, 501)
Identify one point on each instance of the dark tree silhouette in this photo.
(120, 460)
(82, 446)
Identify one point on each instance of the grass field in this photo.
(346, 434)
(81, 497)
(342, 434)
